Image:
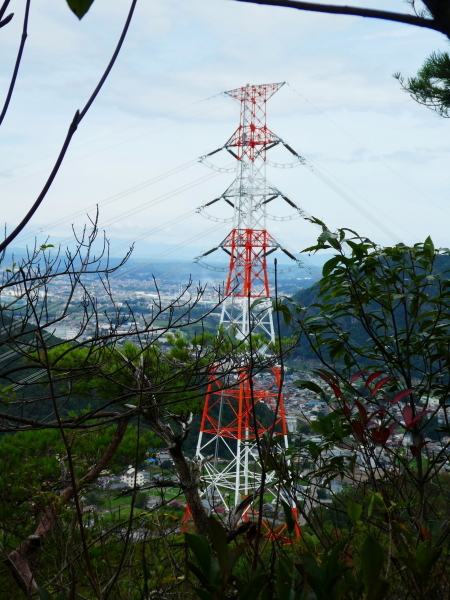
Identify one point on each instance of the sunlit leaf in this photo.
(354, 510)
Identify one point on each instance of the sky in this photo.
(136, 152)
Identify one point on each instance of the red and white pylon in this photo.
(229, 418)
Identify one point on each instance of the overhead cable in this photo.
(111, 199)
(419, 191)
(66, 162)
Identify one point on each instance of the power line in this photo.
(152, 203)
(370, 152)
(168, 251)
(337, 190)
(160, 199)
(331, 175)
(113, 198)
(170, 112)
(66, 162)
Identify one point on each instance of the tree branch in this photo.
(19, 56)
(6, 20)
(79, 115)
(356, 11)
(18, 559)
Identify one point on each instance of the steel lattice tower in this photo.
(229, 418)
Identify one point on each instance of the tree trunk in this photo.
(188, 473)
(189, 479)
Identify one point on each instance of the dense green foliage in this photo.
(378, 322)
(108, 372)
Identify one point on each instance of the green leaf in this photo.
(311, 249)
(198, 573)
(202, 551)
(372, 561)
(330, 265)
(253, 588)
(284, 310)
(374, 498)
(284, 581)
(426, 556)
(43, 594)
(352, 463)
(289, 517)
(203, 594)
(428, 246)
(331, 238)
(314, 575)
(310, 539)
(219, 540)
(354, 510)
(80, 7)
(309, 385)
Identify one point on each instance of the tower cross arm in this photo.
(289, 254)
(265, 90)
(292, 151)
(197, 258)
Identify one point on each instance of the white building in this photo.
(130, 477)
(163, 456)
(291, 423)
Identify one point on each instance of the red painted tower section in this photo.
(247, 275)
(241, 401)
(252, 137)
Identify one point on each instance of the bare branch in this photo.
(79, 115)
(19, 55)
(437, 25)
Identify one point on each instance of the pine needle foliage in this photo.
(431, 86)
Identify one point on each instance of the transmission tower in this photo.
(230, 416)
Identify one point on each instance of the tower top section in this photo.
(249, 243)
(255, 93)
(252, 137)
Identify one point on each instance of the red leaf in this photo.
(380, 435)
(380, 384)
(407, 415)
(362, 412)
(331, 380)
(356, 375)
(415, 449)
(326, 375)
(336, 390)
(373, 376)
(358, 431)
(411, 420)
(347, 412)
(381, 411)
(419, 416)
(401, 395)
(393, 427)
